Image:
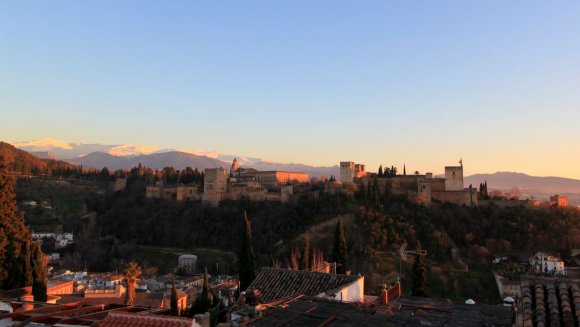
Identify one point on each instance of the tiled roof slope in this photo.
(550, 303)
(138, 320)
(275, 283)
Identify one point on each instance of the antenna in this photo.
(404, 257)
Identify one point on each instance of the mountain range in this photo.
(127, 156)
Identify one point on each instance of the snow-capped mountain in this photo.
(126, 156)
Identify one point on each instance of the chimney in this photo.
(384, 297)
(399, 290)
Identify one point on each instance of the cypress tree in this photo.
(339, 251)
(246, 256)
(305, 261)
(39, 273)
(404, 170)
(174, 303)
(381, 171)
(203, 302)
(419, 275)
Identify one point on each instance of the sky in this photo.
(420, 83)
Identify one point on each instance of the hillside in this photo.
(23, 162)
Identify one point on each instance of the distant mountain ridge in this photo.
(175, 159)
(127, 156)
(507, 180)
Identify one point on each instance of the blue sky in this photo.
(392, 82)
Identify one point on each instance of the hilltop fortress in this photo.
(421, 189)
(246, 183)
(250, 184)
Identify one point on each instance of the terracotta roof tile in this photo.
(115, 319)
(275, 283)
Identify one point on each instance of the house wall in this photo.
(351, 293)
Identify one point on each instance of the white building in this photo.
(544, 263)
(187, 262)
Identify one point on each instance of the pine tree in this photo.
(339, 251)
(174, 302)
(419, 275)
(305, 261)
(15, 238)
(246, 256)
(39, 273)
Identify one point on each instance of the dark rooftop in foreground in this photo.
(407, 311)
(417, 311)
(308, 311)
(276, 283)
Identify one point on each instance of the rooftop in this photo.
(408, 311)
(307, 311)
(418, 311)
(549, 302)
(122, 319)
(275, 283)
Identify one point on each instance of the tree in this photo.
(15, 237)
(381, 171)
(105, 174)
(174, 302)
(203, 302)
(305, 260)
(404, 170)
(246, 256)
(132, 272)
(317, 263)
(294, 258)
(39, 273)
(419, 275)
(339, 251)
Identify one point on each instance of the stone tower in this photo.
(235, 166)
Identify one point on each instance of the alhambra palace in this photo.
(284, 186)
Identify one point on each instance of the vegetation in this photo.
(246, 257)
(419, 277)
(15, 270)
(39, 273)
(132, 272)
(203, 302)
(339, 250)
(174, 305)
(305, 260)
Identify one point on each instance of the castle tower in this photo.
(454, 178)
